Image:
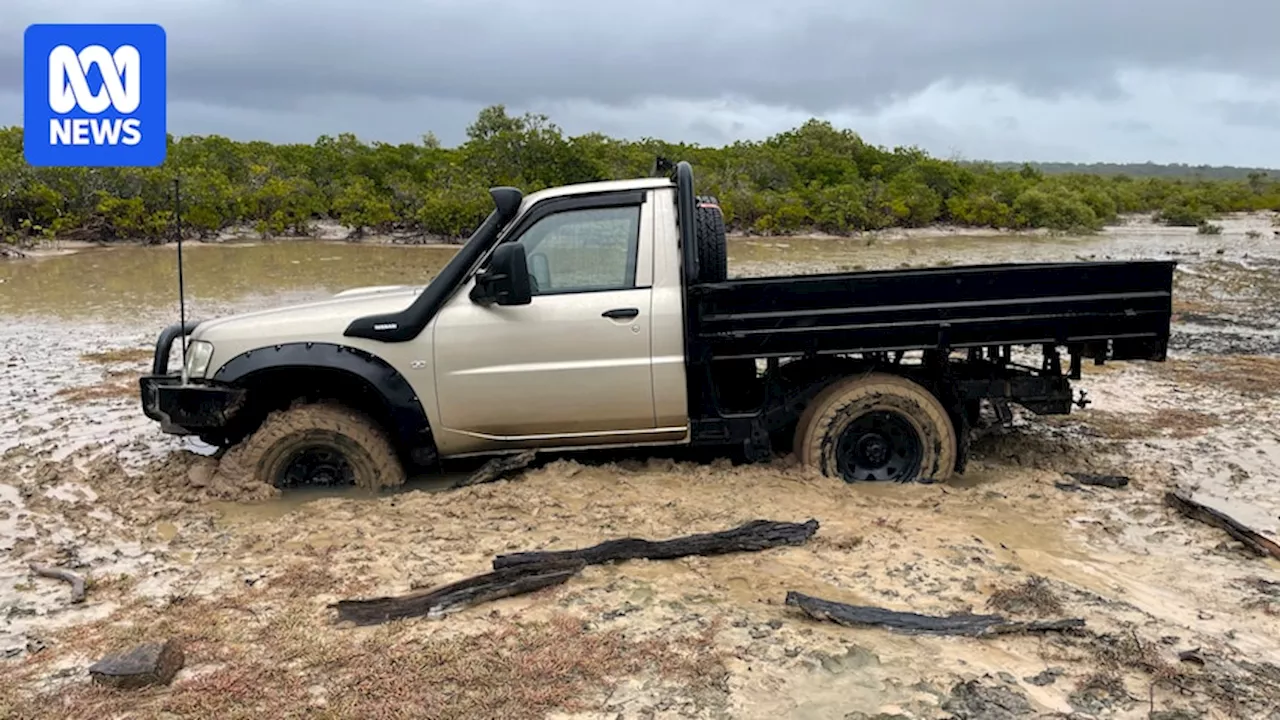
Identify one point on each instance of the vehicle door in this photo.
(574, 366)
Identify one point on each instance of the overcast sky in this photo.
(1195, 81)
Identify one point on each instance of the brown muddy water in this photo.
(86, 481)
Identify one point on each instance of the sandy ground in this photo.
(89, 484)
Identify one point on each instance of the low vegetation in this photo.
(1033, 596)
(133, 355)
(275, 653)
(813, 177)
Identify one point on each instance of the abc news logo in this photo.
(69, 88)
(94, 95)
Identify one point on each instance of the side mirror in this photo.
(506, 279)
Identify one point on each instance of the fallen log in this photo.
(751, 537)
(497, 468)
(77, 582)
(1256, 542)
(915, 624)
(440, 601)
(1115, 482)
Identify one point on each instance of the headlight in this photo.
(198, 354)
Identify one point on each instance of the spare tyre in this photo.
(713, 250)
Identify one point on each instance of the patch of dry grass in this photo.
(114, 585)
(1105, 686)
(894, 525)
(1033, 597)
(112, 388)
(1184, 305)
(1170, 422)
(1127, 652)
(843, 543)
(274, 652)
(1266, 595)
(1248, 375)
(118, 355)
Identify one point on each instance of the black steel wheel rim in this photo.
(316, 465)
(879, 446)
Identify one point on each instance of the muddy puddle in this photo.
(86, 482)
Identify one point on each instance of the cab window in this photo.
(584, 250)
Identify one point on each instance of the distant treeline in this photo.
(1148, 169)
(814, 177)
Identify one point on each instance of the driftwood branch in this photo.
(916, 624)
(498, 468)
(446, 599)
(753, 536)
(1115, 482)
(77, 582)
(1256, 542)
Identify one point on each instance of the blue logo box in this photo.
(94, 95)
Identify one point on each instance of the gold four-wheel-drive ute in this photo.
(600, 315)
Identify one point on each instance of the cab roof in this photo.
(595, 187)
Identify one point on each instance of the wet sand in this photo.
(92, 485)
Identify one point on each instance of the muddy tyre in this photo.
(713, 245)
(877, 427)
(317, 444)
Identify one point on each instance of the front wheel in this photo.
(317, 444)
(877, 427)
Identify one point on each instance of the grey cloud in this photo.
(1251, 113)
(705, 128)
(1090, 80)
(1135, 127)
(814, 55)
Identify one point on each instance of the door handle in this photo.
(621, 313)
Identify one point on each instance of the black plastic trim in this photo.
(164, 343)
(405, 325)
(685, 205)
(698, 377)
(567, 203)
(411, 426)
(189, 409)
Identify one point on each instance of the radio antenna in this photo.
(182, 294)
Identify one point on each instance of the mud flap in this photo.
(1003, 413)
(759, 447)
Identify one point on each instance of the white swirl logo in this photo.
(69, 86)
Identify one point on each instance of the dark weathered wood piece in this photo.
(1192, 656)
(915, 624)
(77, 582)
(440, 601)
(147, 664)
(1115, 482)
(751, 537)
(498, 468)
(1256, 542)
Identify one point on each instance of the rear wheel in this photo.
(317, 444)
(877, 427)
